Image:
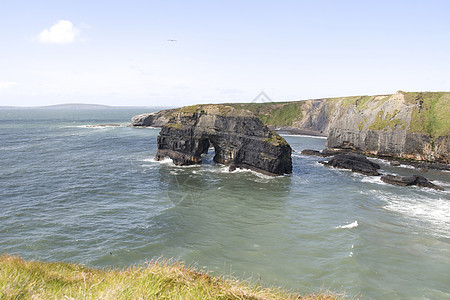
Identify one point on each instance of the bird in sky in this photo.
(172, 40)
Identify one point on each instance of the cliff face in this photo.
(238, 137)
(403, 125)
(155, 119)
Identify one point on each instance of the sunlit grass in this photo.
(161, 279)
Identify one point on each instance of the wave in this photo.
(97, 126)
(372, 179)
(348, 226)
(223, 169)
(210, 168)
(167, 161)
(435, 212)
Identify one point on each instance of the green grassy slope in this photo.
(432, 114)
(20, 279)
(274, 113)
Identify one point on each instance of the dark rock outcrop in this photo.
(239, 138)
(410, 180)
(155, 119)
(312, 152)
(355, 162)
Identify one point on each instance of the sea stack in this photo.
(239, 138)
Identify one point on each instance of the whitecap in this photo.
(435, 212)
(248, 171)
(165, 161)
(441, 183)
(372, 179)
(348, 226)
(408, 167)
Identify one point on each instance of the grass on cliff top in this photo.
(20, 279)
(218, 109)
(431, 114)
(274, 113)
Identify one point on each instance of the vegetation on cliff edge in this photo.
(275, 114)
(431, 114)
(20, 279)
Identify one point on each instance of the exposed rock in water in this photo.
(312, 152)
(355, 162)
(325, 152)
(155, 119)
(239, 138)
(410, 180)
(395, 163)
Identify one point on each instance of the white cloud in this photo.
(63, 32)
(6, 84)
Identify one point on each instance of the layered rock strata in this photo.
(239, 138)
(155, 119)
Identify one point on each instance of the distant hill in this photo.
(84, 106)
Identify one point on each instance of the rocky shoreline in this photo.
(406, 128)
(360, 164)
(420, 165)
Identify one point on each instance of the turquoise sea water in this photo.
(94, 195)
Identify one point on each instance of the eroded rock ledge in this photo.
(239, 138)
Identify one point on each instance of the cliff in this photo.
(408, 125)
(404, 125)
(239, 138)
(155, 119)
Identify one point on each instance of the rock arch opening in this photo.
(239, 139)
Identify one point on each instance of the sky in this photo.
(173, 53)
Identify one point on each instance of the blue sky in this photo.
(118, 53)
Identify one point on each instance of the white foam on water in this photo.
(372, 179)
(92, 126)
(407, 167)
(168, 161)
(223, 169)
(378, 160)
(150, 160)
(441, 183)
(248, 171)
(435, 212)
(348, 226)
(165, 161)
(148, 166)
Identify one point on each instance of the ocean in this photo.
(75, 192)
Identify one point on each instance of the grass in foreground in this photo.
(20, 279)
